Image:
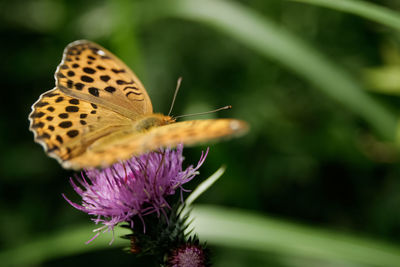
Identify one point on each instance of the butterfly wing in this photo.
(104, 152)
(92, 73)
(66, 126)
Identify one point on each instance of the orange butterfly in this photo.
(99, 113)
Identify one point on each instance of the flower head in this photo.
(188, 255)
(136, 187)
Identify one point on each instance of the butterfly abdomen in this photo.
(148, 121)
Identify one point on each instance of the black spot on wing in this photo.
(50, 94)
(94, 91)
(74, 101)
(60, 75)
(72, 109)
(120, 82)
(89, 70)
(79, 86)
(72, 133)
(41, 104)
(118, 71)
(37, 114)
(105, 78)
(110, 89)
(131, 92)
(44, 136)
(131, 87)
(70, 84)
(63, 115)
(59, 139)
(85, 78)
(65, 124)
(37, 125)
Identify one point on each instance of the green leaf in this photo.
(62, 244)
(207, 183)
(364, 9)
(245, 230)
(384, 80)
(200, 189)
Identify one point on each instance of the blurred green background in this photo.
(316, 182)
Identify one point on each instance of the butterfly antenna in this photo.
(178, 84)
(203, 113)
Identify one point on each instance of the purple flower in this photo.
(188, 255)
(136, 187)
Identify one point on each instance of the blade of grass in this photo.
(274, 42)
(244, 230)
(201, 188)
(227, 228)
(124, 39)
(62, 244)
(363, 9)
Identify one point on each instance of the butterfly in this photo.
(99, 113)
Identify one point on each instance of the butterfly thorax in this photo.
(151, 120)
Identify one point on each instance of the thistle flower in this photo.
(134, 188)
(188, 255)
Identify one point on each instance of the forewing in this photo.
(66, 126)
(92, 73)
(104, 153)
